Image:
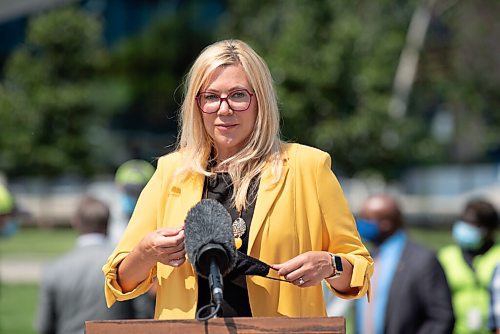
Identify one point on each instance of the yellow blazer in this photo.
(306, 210)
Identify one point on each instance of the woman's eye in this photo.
(211, 97)
(238, 95)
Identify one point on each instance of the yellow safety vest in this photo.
(469, 288)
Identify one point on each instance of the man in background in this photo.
(469, 265)
(72, 288)
(409, 292)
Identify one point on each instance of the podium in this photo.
(256, 325)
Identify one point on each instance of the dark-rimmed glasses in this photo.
(238, 100)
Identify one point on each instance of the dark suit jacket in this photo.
(419, 297)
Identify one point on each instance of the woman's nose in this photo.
(224, 108)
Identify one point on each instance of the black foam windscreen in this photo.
(208, 225)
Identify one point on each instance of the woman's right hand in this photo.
(165, 245)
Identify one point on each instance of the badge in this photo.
(474, 319)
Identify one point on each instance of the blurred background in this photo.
(403, 94)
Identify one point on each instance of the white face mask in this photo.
(468, 236)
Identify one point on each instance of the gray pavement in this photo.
(13, 270)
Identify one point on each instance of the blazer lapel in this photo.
(266, 196)
(189, 190)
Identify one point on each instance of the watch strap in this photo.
(337, 266)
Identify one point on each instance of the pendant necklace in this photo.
(239, 228)
(239, 225)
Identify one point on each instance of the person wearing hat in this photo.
(130, 177)
(8, 219)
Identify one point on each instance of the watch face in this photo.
(338, 263)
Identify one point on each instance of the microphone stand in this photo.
(216, 287)
(215, 255)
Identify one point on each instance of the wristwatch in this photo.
(337, 266)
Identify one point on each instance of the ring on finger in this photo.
(175, 262)
(301, 280)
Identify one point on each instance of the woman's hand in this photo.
(307, 269)
(165, 245)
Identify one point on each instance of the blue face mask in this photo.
(368, 229)
(128, 204)
(9, 228)
(468, 236)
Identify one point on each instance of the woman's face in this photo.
(229, 129)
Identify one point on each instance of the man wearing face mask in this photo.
(8, 218)
(469, 265)
(409, 289)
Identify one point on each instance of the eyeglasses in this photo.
(238, 100)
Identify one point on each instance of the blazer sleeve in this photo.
(342, 235)
(143, 221)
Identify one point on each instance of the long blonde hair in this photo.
(263, 145)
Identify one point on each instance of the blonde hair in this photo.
(263, 145)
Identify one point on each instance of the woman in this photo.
(290, 207)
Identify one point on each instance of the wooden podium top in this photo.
(319, 325)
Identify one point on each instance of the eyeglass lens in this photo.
(238, 101)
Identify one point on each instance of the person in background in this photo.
(130, 177)
(469, 265)
(65, 304)
(494, 318)
(8, 213)
(410, 293)
(288, 208)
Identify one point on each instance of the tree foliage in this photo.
(51, 102)
(460, 75)
(152, 65)
(334, 64)
(71, 106)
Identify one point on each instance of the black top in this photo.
(235, 302)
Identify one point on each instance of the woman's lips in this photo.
(225, 126)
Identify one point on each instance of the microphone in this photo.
(209, 243)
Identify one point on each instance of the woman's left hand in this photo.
(307, 269)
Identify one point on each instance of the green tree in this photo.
(152, 65)
(460, 72)
(53, 104)
(334, 63)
